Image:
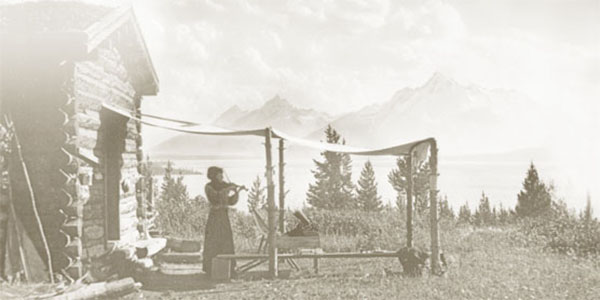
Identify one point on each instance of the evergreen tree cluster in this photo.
(172, 189)
(420, 179)
(333, 188)
(177, 212)
(485, 214)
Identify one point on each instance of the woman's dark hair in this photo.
(213, 172)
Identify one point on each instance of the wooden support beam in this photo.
(309, 256)
(272, 250)
(409, 202)
(433, 208)
(281, 187)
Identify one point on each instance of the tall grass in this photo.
(564, 233)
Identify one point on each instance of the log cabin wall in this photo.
(104, 79)
(54, 86)
(40, 107)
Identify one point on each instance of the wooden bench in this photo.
(221, 265)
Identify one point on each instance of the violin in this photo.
(236, 187)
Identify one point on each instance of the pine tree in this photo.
(173, 188)
(397, 178)
(256, 196)
(445, 209)
(464, 214)
(483, 213)
(174, 200)
(587, 215)
(503, 215)
(535, 199)
(367, 197)
(421, 188)
(333, 188)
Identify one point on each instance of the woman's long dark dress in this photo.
(218, 237)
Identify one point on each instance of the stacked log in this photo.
(4, 196)
(73, 194)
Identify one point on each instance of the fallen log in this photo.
(110, 290)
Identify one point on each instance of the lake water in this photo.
(460, 181)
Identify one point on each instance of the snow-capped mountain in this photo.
(278, 113)
(465, 119)
(229, 116)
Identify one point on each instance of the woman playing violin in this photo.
(218, 237)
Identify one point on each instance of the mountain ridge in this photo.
(464, 119)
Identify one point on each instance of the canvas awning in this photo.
(416, 151)
(419, 147)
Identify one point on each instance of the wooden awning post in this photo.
(409, 202)
(271, 206)
(281, 187)
(433, 207)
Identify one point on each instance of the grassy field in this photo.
(486, 263)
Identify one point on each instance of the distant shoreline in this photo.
(162, 158)
(158, 168)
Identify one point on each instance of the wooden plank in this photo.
(87, 101)
(181, 257)
(91, 134)
(86, 142)
(181, 269)
(88, 120)
(319, 255)
(181, 245)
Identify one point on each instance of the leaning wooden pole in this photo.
(433, 208)
(409, 202)
(34, 204)
(281, 187)
(19, 234)
(271, 206)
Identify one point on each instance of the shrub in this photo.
(564, 233)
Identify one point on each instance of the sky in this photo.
(340, 55)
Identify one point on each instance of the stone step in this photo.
(180, 269)
(180, 257)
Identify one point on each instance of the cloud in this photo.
(341, 55)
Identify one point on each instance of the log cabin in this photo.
(60, 62)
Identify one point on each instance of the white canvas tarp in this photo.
(419, 147)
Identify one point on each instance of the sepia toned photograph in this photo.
(299, 149)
